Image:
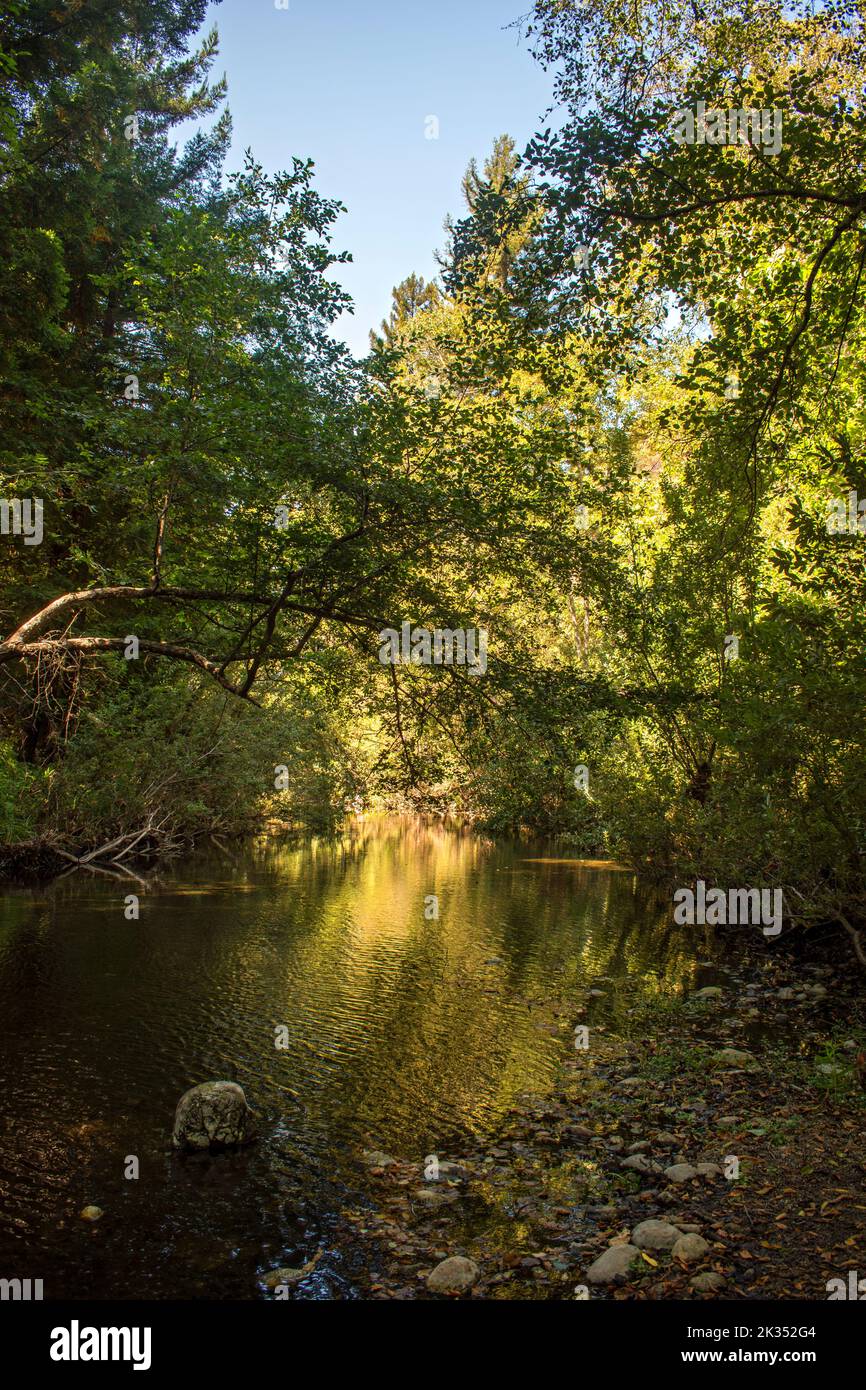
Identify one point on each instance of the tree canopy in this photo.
(610, 434)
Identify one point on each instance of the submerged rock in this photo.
(285, 1275)
(707, 1283)
(214, 1115)
(433, 1197)
(576, 1131)
(454, 1275)
(375, 1158)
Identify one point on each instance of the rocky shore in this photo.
(706, 1146)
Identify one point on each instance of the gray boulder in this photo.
(640, 1163)
(655, 1235)
(691, 1247)
(612, 1265)
(214, 1115)
(680, 1172)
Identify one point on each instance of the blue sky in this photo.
(350, 84)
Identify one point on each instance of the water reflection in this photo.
(402, 1033)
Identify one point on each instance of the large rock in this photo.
(614, 1263)
(214, 1115)
(454, 1275)
(691, 1247)
(680, 1172)
(655, 1235)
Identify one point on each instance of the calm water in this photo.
(402, 1035)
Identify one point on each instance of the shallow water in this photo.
(404, 1034)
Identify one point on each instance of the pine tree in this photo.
(499, 203)
(411, 297)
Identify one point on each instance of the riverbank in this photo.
(710, 1147)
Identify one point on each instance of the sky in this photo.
(351, 84)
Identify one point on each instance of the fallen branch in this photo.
(114, 851)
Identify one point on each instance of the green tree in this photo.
(411, 297)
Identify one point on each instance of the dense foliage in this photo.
(611, 436)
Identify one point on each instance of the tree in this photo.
(503, 213)
(750, 225)
(411, 297)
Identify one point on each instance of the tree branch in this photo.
(10, 651)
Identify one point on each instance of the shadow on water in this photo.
(400, 1033)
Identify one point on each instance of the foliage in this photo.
(609, 435)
